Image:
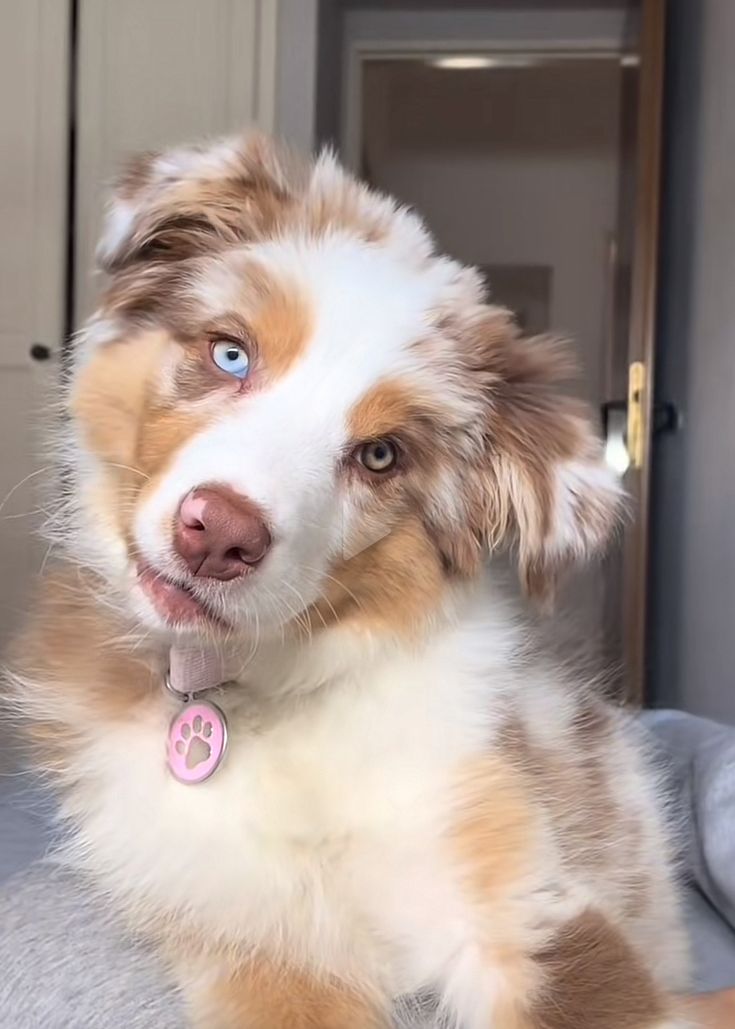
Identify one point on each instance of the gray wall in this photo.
(693, 572)
(296, 77)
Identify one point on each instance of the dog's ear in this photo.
(541, 481)
(173, 205)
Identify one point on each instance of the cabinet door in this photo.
(34, 53)
(159, 72)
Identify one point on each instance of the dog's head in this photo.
(289, 408)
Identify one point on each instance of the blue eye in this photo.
(231, 357)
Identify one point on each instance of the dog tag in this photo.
(197, 742)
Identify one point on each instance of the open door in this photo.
(531, 143)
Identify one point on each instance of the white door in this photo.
(34, 48)
(154, 73)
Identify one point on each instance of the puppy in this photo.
(293, 432)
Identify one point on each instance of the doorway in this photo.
(533, 153)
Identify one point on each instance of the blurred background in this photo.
(581, 152)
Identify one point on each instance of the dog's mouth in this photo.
(174, 602)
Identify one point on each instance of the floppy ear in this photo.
(544, 481)
(173, 205)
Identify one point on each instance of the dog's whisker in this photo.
(129, 468)
(19, 485)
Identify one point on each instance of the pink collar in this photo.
(193, 670)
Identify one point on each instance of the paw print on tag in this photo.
(192, 744)
(197, 741)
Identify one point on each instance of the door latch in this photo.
(623, 421)
(636, 428)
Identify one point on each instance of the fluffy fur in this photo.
(411, 803)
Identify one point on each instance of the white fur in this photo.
(119, 223)
(575, 482)
(307, 834)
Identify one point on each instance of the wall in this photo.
(510, 167)
(295, 102)
(693, 531)
(514, 167)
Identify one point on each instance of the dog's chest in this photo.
(302, 834)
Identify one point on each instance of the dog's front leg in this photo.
(264, 995)
(586, 977)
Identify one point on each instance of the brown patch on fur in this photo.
(112, 391)
(495, 830)
(264, 995)
(594, 980)
(164, 433)
(126, 423)
(496, 838)
(385, 409)
(392, 585)
(79, 677)
(425, 433)
(280, 319)
(115, 401)
(136, 175)
(712, 1010)
(154, 295)
(582, 820)
(346, 204)
(592, 720)
(587, 976)
(195, 376)
(597, 837)
(204, 206)
(270, 314)
(531, 431)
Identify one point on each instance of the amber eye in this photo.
(378, 456)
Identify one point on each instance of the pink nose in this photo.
(219, 533)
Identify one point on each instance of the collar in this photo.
(193, 670)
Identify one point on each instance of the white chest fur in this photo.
(321, 832)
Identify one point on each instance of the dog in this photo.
(300, 735)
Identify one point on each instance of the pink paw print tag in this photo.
(197, 741)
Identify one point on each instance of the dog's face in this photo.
(290, 411)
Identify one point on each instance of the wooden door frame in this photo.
(642, 335)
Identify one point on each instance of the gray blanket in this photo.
(67, 966)
(699, 756)
(701, 759)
